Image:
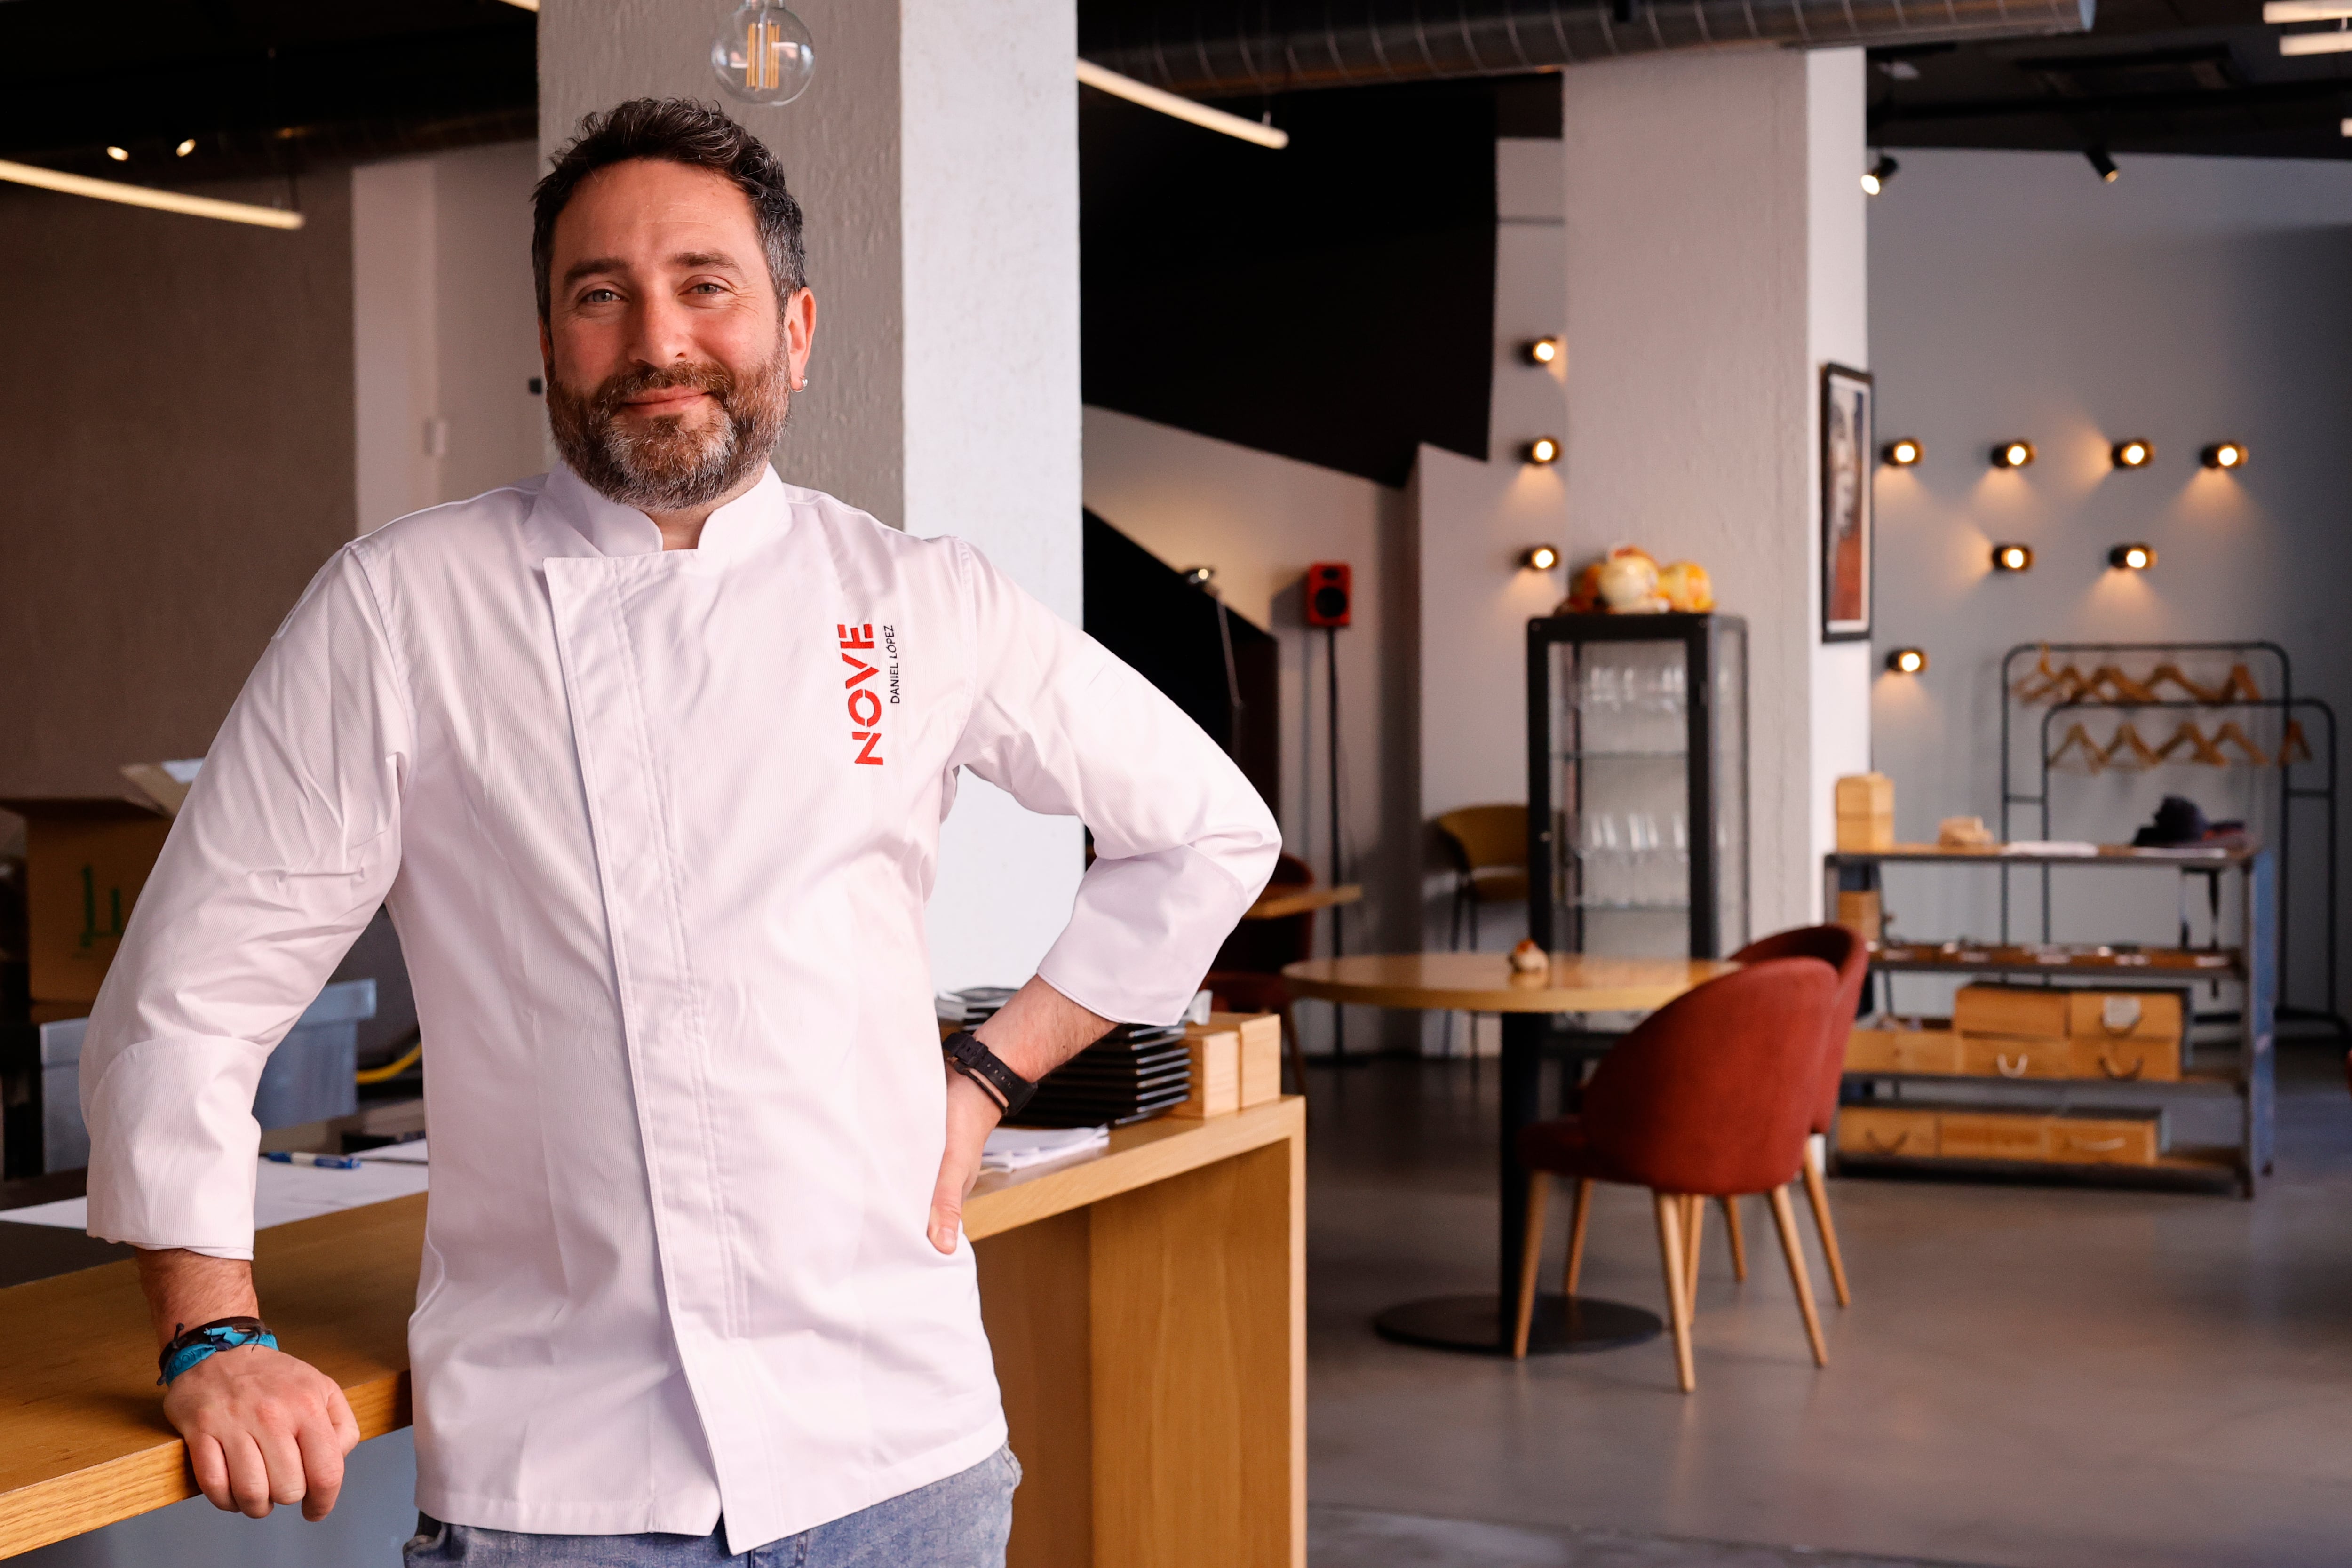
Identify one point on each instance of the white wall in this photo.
(1260, 519)
(2192, 300)
(444, 328)
(935, 156)
(1713, 224)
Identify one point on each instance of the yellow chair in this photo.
(1489, 846)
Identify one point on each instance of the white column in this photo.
(936, 157)
(1716, 259)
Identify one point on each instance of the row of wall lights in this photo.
(1904, 451)
(2018, 558)
(1540, 352)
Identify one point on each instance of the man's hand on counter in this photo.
(262, 1427)
(1032, 1034)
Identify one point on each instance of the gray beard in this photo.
(663, 467)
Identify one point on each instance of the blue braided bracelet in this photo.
(195, 1344)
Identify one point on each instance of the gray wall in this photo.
(176, 432)
(2194, 299)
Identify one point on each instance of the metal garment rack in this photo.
(2286, 704)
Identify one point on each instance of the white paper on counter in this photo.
(1018, 1148)
(281, 1192)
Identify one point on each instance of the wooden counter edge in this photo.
(157, 1476)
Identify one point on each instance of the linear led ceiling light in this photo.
(144, 196)
(2307, 10)
(1183, 109)
(2323, 43)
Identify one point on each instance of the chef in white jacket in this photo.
(649, 758)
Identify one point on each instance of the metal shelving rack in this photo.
(2248, 1071)
(2289, 793)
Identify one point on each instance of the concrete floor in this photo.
(2030, 1376)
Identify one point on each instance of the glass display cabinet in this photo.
(1637, 784)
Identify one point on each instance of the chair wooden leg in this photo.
(1817, 1192)
(1694, 1228)
(1530, 1258)
(1581, 1213)
(1670, 1254)
(1784, 1219)
(1736, 1236)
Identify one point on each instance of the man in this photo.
(648, 758)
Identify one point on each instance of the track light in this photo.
(1540, 558)
(2133, 454)
(1880, 172)
(2225, 455)
(1542, 351)
(118, 154)
(2102, 162)
(2132, 557)
(1198, 576)
(1902, 453)
(1907, 661)
(2011, 557)
(184, 147)
(2012, 454)
(1542, 449)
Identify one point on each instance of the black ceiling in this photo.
(2154, 76)
(263, 86)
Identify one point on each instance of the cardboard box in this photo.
(1216, 1071)
(1261, 1036)
(2034, 1012)
(86, 860)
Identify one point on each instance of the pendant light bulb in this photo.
(763, 54)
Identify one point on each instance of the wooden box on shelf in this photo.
(1866, 812)
(1904, 1045)
(1255, 1053)
(1216, 1053)
(2101, 1137)
(1861, 914)
(1986, 1008)
(2126, 1060)
(1867, 1130)
(2160, 1016)
(2016, 1055)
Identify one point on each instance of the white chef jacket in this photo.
(656, 829)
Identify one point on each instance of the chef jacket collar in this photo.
(614, 529)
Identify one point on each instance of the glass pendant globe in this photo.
(763, 54)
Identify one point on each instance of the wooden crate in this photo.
(1261, 1036)
(1985, 1008)
(2127, 1061)
(1861, 914)
(2160, 1016)
(2107, 1138)
(1992, 1135)
(1904, 1045)
(2016, 1055)
(1864, 1130)
(1866, 812)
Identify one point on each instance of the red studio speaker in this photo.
(1331, 588)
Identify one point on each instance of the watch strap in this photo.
(967, 1053)
(190, 1346)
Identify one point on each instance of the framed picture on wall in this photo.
(1847, 454)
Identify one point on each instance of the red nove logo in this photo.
(865, 706)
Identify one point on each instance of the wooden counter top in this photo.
(83, 1441)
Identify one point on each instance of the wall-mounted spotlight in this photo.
(120, 155)
(1902, 453)
(1540, 351)
(2011, 557)
(1539, 557)
(1907, 661)
(2132, 557)
(2012, 454)
(1542, 449)
(1880, 172)
(2133, 454)
(184, 147)
(2102, 163)
(2225, 455)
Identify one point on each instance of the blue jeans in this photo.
(959, 1522)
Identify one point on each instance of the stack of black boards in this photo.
(1135, 1072)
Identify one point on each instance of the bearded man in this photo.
(648, 758)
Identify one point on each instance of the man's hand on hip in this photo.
(262, 1426)
(1032, 1034)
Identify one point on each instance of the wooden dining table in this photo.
(1487, 983)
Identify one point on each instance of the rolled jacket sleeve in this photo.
(1182, 841)
(284, 848)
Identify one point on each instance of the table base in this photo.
(1563, 1325)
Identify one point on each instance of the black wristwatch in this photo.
(985, 1068)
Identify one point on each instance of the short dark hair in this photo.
(679, 131)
